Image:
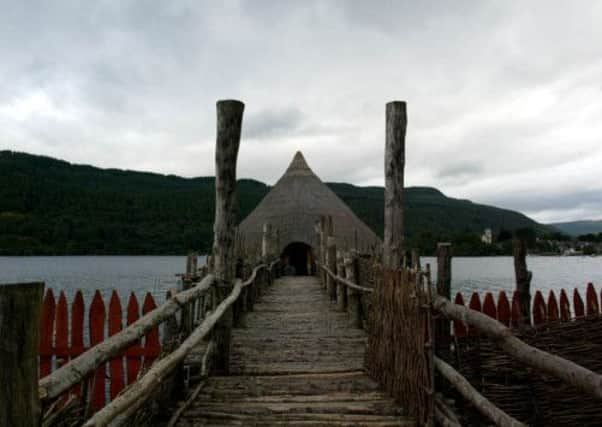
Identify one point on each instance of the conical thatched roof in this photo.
(294, 206)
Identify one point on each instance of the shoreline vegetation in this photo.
(52, 207)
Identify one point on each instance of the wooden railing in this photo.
(62, 339)
(74, 372)
(135, 395)
(487, 319)
(583, 379)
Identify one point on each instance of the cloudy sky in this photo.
(504, 98)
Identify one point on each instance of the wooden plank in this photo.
(96, 322)
(116, 363)
(77, 331)
(61, 346)
(298, 361)
(46, 333)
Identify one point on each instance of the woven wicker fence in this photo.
(398, 329)
(528, 395)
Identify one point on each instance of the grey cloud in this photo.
(459, 170)
(493, 89)
(268, 124)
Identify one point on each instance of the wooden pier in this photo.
(296, 362)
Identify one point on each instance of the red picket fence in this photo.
(62, 339)
(543, 311)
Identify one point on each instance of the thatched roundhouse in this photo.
(293, 208)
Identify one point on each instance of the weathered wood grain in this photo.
(229, 125)
(396, 122)
(297, 362)
(523, 277)
(20, 311)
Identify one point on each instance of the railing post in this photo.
(416, 258)
(353, 296)
(229, 124)
(523, 277)
(20, 311)
(341, 288)
(396, 123)
(323, 239)
(443, 330)
(331, 260)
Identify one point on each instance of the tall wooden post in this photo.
(323, 238)
(195, 264)
(523, 277)
(229, 123)
(341, 288)
(20, 310)
(353, 296)
(331, 260)
(416, 258)
(396, 123)
(444, 257)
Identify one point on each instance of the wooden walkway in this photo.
(297, 362)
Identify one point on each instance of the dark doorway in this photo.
(298, 259)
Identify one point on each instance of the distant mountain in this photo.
(50, 206)
(578, 228)
(428, 210)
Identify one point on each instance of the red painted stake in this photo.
(97, 333)
(134, 352)
(539, 310)
(578, 304)
(593, 309)
(489, 307)
(459, 326)
(565, 307)
(474, 304)
(61, 349)
(553, 312)
(61, 346)
(46, 333)
(503, 309)
(152, 348)
(77, 331)
(116, 364)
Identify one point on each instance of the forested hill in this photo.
(49, 206)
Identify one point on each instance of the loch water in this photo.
(157, 274)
